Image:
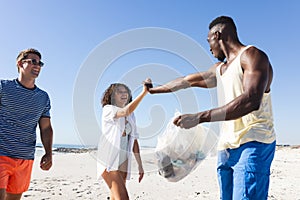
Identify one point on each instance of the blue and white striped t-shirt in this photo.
(20, 110)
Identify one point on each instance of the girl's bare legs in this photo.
(116, 181)
(123, 170)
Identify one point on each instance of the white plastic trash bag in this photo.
(179, 151)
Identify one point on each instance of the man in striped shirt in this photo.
(23, 106)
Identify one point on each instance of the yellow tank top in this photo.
(255, 126)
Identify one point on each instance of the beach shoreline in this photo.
(73, 176)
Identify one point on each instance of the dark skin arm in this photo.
(47, 140)
(257, 79)
(205, 79)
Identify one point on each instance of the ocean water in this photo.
(76, 146)
(40, 149)
(79, 146)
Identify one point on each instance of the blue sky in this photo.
(68, 32)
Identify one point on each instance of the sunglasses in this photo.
(34, 62)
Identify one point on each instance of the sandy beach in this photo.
(73, 176)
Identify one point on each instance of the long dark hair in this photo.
(108, 97)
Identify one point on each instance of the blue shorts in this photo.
(244, 172)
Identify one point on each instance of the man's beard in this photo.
(221, 57)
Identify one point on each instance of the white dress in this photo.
(110, 140)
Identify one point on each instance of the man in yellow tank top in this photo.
(243, 78)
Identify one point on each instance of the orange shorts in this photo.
(15, 174)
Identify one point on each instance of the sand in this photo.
(73, 176)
